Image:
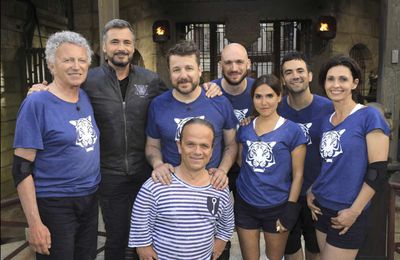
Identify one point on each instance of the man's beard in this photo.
(233, 83)
(118, 63)
(186, 91)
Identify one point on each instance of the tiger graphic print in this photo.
(330, 146)
(180, 122)
(260, 155)
(86, 136)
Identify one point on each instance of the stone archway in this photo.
(363, 56)
(137, 59)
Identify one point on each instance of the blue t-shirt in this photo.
(242, 103)
(167, 115)
(344, 155)
(266, 173)
(310, 120)
(66, 138)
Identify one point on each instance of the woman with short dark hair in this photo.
(354, 150)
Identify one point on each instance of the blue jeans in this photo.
(73, 223)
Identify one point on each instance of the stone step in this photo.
(7, 249)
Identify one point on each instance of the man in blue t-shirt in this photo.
(169, 112)
(308, 110)
(236, 86)
(56, 164)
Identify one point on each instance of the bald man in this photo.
(235, 85)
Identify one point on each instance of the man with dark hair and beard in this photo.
(308, 110)
(236, 85)
(169, 112)
(120, 94)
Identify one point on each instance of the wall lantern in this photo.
(161, 31)
(326, 27)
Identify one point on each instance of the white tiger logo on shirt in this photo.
(260, 155)
(330, 145)
(306, 131)
(240, 113)
(85, 134)
(180, 122)
(141, 90)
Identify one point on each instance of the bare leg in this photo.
(312, 256)
(249, 240)
(321, 238)
(275, 244)
(296, 256)
(334, 253)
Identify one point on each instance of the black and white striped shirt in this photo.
(180, 221)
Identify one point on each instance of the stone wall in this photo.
(141, 14)
(13, 18)
(358, 24)
(13, 15)
(86, 22)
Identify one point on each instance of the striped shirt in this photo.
(180, 221)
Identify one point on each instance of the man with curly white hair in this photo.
(57, 156)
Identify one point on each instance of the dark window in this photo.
(34, 65)
(276, 39)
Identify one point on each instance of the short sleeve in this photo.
(239, 135)
(151, 128)
(230, 118)
(29, 129)
(227, 112)
(298, 137)
(374, 120)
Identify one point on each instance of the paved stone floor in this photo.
(26, 254)
(16, 215)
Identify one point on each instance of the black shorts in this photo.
(250, 217)
(352, 239)
(305, 226)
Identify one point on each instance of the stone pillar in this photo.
(108, 10)
(389, 70)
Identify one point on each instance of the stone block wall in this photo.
(13, 15)
(358, 24)
(86, 22)
(142, 14)
(12, 88)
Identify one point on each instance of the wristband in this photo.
(290, 215)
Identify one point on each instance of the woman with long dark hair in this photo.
(271, 154)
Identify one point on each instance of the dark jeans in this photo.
(72, 223)
(117, 194)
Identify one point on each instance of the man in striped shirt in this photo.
(188, 219)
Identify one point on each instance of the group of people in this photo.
(298, 164)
